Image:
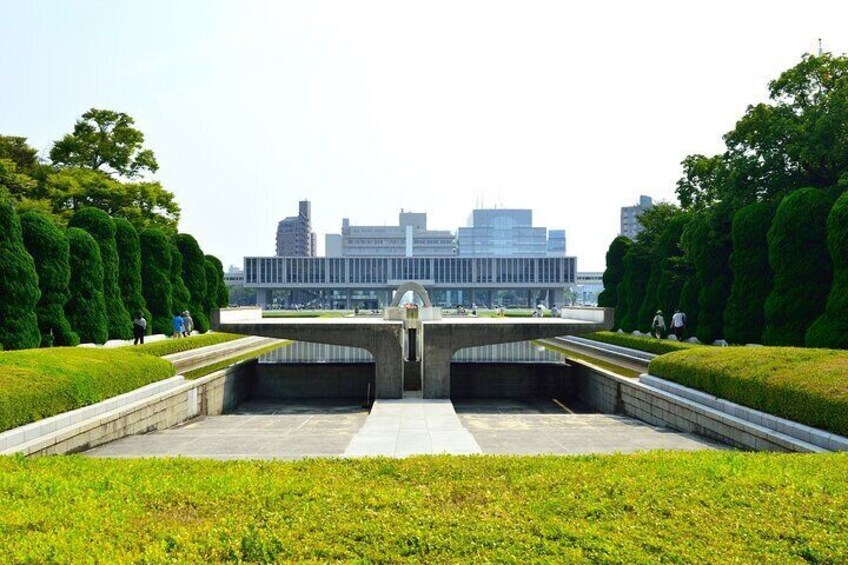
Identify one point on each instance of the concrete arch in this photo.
(415, 288)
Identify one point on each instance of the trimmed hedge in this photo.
(194, 276)
(831, 328)
(672, 271)
(178, 345)
(614, 273)
(129, 270)
(18, 284)
(744, 319)
(637, 271)
(647, 344)
(180, 295)
(711, 248)
(210, 299)
(809, 386)
(669, 507)
(86, 309)
(802, 267)
(39, 383)
(102, 228)
(156, 279)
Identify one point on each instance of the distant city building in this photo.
(501, 232)
(587, 288)
(295, 237)
(630, 225)
(410, 238)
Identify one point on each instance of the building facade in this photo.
(501, 232)
(410, 238)
(630, 225)
(587, 288)
(556, 243)
(295, 237)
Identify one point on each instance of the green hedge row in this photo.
(809, 386)
(647, 344)
(38, 383)
(169, 346)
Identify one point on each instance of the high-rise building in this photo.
(501, 232)
(410, 238)
(630, 225)
(295, 237)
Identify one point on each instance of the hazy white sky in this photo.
(368, 107)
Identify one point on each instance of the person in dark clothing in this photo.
(139, 328)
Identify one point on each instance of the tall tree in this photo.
(86, 309)
(655, 222)
(637, 271)
(17, 150)
(129, 269)
(613, 276)
(18, 284)
(673, 272)
(49, 248)
(156, 279)
(194, 275)
(181, 297)
(223, 296)
(105, 140)
(712, 246)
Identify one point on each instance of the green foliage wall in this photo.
(194, 275)
(156, 278)
(86, 309)
(673, 271)
(223, 297)
(637, 271)
(48, 246)
(744, 317)
(98, 223)
(129, 270)
(801, 265)
(711, 248)
(614, 273)
(831, 328)
(180, 296)
(211, 298)
(19, 292)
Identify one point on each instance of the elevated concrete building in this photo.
(630, 225)
(295, 237)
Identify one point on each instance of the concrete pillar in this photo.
(263, 297)
(388, 361)
(436, 364)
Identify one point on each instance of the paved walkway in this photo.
(412, 426)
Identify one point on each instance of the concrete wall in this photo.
(314, 381)
(511, 380)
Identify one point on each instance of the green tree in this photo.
(801, 264)
(744, 318)
(831, 328)
(691, 289)
(613, 276)
(97, 223)
(655, 223)
(86, 309)
(210, 299)
(711, 248)
(104, 140)
(181, 296)
(673, 271)
(194, 275)
(48, 246)
(637, 271)
(18, 284)
(17, 150)
(156, 279)
(223, 295)
(129, 269)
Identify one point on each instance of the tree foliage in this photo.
(19, 292)
(744, 319)
(711, 248)
(637, 271)
(156, 278)
(49, 248)
(101, 227)
(86, 309)
(801, 265)
(655, 222)
(831, 328)
(673, 271)
(614, 274)
(222, 299)
(129, 269)
(194, 276)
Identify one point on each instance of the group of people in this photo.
(678, 325)
(183, 326)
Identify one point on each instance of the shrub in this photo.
(194, 275)
(223, 298)
(744, 319)
(801, 265)
(19, 292)
(38, 383)
(129, 269)
(48, 246)
(831, 328)
(86, 309)
(711, 248)
(637, 271)
(809, 386)
(181, 297)
(156, 279)
(647, 344)
(171, 346)
(614, 273)
(101, 227)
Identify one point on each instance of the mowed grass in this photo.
(37, 383)
(306, 313)
(705, 507)
(809, 386)
(647, 344)
(230, 361)
(180, 344)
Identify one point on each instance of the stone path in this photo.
(411, 426)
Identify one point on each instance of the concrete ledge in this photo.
(609, 348)
(193, 358)
(815, 436)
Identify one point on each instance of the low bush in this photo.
(809, 386)
(705, 507)
(178, 345)
(647, 344)
(38, 383)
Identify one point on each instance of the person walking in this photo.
(188, 324)
(658, 325)
(139, 327)
(678, 324)
(177, 325)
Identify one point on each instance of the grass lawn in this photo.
(588, 359)
(224, 363)
(178, 345)
(705, 507)
(306, 313)
(806, 385)
(647, 344)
